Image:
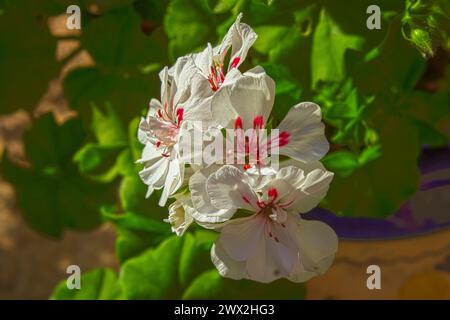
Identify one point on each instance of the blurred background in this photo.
(70, 99)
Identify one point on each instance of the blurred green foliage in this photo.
(368, 83)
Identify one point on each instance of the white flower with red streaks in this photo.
(160, 132)
(247, 103)
(274, 241)
(211, 74)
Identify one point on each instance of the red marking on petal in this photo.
(273, 193)
(235, 62)
(276, 239)
(270, 234)
(166, 155)
(283, 225)
(246, 166)
(158, 143)
(284, 138)
(238, 123)
(258, 122)
(246, 199)
(159, 113)
(179, 113)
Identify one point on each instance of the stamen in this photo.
(246, 166)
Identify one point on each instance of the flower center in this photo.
(216, 75)
(166, 132)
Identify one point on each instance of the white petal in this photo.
(143, 131)
(292, 175)
(164, 76)
(180, 215)
(150, 154)
(241, 237)
(280, 187)
(152, 174)
(241, 37)
(173, 180)
(248, 96)
(307, 141)
(313, 189)
(205, 211)
(272, 260)
(229, 188)
(318, 245)
(226, 266)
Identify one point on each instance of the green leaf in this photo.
(104, 160)
(122, 46)
(189, 26)
(123, 55)
(341, 162)
(287, 89)
(181, 268)
(210, 285)
(431, 114)
(381, 184)
(222, 6)
(391, 68)
(154, 274)
(51, 194)
(108, 127)
(27, 55)
(134, 221)
(100, 284)
(330, 44)
(95, 161)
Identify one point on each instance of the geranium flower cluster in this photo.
(256, 208)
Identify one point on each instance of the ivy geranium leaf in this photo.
(180, 267)
(210, 285)
(330, 43)
(126, 61)
(288, 90)
(102, 160)
(27, 55)
(384, 179)
(391, 68)
(51, 193)
(100, 284)
(189, 26)
(344, 163)
(431, 114)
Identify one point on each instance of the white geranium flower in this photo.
(247, 103)
(274, 241)
(211, 61)
(160, 132)
(207, 73)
